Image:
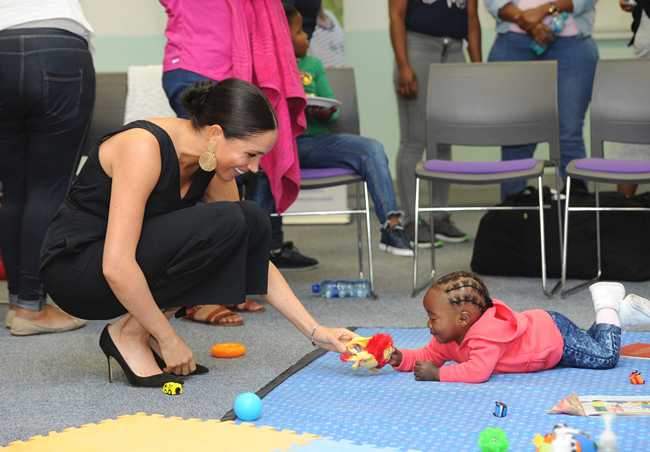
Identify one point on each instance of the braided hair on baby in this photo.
(465, 287)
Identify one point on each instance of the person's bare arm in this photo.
(132, 160)
(473, 32)
(284, 300)
(528, 19)
(406, 79)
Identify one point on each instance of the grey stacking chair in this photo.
(620, 112)
(486, 105)
(343, 84)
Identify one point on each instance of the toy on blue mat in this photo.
(607, 440)
(172, 388)
(636, 378)
(500, 409)
(372, 352)
(493, 440)
(564, 439)
(248, 406)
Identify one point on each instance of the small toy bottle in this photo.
(556, 25)
(607, 439)
(359, 288)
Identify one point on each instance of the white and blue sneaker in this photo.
(634, 313)
(394, 241)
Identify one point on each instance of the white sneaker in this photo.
(607, 295)
(635, 313)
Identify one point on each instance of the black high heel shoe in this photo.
(110, 350)
(200, 370)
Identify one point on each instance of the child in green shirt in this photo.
(319, 148)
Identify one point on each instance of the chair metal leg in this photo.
(369, 238)
(566, 233)
(598, 243)
(558, 189)
(358, 220)
(432, 232)
(415, 246)
(542, 234)
(417, 289)
(577, 288)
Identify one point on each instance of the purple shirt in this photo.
(199, 37)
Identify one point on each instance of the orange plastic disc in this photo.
(228, 350)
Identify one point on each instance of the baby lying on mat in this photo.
(485, 336)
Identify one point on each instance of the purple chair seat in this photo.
(506, 166)
(613, 166)
(321, 173)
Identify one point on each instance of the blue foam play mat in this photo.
(391, 410)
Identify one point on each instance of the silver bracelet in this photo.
(312, 335)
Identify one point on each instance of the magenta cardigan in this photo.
(234, 38)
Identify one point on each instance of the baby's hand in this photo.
(426, 371)
(395, 358)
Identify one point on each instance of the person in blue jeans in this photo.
(319, 148)
(576, 55)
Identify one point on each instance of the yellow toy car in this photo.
(172, 388)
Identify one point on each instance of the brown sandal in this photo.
(247, 306)
(215, 314)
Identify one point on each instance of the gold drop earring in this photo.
(208, 160)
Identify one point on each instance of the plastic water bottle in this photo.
(359, 288)
(556, 25)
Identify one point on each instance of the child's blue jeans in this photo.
(364, 155)
(596, 348)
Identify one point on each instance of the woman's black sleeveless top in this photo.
(83, 216)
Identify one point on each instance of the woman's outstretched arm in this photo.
(284, 300)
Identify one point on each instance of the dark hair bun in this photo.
(196, 96)
(239, 107)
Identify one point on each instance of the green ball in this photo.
(493, 440)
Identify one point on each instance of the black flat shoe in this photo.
(110, 350)
(200, 370)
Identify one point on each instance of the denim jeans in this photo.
(47, 92)
(576, 64)
(338, 150)
(596, 348)
(364, 155)
(174, 83)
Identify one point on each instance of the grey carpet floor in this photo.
(55, 381)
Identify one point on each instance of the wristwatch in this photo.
(552, 9)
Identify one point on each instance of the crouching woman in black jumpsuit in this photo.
(131, 239)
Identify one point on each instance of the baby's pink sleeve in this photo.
(433, 352)
(483, 358)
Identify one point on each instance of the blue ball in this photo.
(248, 406)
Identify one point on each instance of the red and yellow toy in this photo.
(371, 353)
(636, 378)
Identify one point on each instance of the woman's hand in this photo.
(407, 82)
(529, 18)
(321, 113)
(333, 339)
(426, 371)
(395, 358)
(542, 34)
(177, 355)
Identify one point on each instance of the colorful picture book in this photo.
(597, 405)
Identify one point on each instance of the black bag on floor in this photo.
(507, 242)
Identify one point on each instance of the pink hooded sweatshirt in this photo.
(255, 46)
(500, 341)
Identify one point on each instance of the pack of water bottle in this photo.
(358, 288)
